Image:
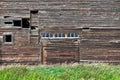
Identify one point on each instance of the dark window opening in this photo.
(25, 23)
(69, 35)
(62, 35)
(75, 35)
(8, 38)
(47, 35)
(50, 35)
(17, 23)
(34, 12)
(59, 35)
(72, 35)
(8, 22)
(32, 27)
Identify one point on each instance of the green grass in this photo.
(61, 72)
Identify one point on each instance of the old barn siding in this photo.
(96, 21)
(20, 51)
(101, 45)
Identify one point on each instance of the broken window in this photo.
(59, 35)
(72, 35)
(17, 23)
(47, 35)
(8, 38)
(25, 23)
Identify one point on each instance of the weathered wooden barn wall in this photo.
(101, 45)
(20, 51)
(87, 13)
(96, 21)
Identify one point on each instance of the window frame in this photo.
(59, 35)
(4, 38)
(47, 35)
(72, 35)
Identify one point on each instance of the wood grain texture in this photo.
(96, 21)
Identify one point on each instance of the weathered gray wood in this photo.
(96, 21)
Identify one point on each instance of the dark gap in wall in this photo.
(8, 22)
(34, 27)
(8, 38)
(17, 23)
(7, 16)
(25, 23)
(85, 28)
(60, 14)
(34, 11)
